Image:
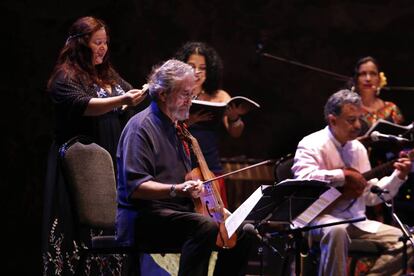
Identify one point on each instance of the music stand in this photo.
(285, 201)
(297, 237)
(288, 200)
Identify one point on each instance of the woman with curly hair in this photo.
(208, 68)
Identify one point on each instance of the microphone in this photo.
(258, 54)
(251, 230)
(376, 136)
(379, 191)
(259, 48)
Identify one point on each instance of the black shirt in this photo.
(149, 149)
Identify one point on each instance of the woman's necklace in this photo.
(197, 97)
(375, 106)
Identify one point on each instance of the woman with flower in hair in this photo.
(368, 81)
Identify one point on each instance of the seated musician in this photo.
(155, 206)
(329, 155)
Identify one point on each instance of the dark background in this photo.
(328, 34)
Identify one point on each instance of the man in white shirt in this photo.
(334, 155)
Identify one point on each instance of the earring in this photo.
(378, 91)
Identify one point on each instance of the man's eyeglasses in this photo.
(186, 96)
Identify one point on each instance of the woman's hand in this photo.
(234, 111)
(134, 97)
(99, 106)
(232, 119)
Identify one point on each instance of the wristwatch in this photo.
(172, 191)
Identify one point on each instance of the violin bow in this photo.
(239, 170)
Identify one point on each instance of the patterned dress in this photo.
(389, 112)
(382, 151)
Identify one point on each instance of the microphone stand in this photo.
(313, 68)
(406, 236)
(297, 235)
(260, 255)
(263, 241)
(326, 72)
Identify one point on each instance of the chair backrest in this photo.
(89, 172)
(283, 168)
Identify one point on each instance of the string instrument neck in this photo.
(209, 203)
(202, 164)
(380, 170)
(385, 168)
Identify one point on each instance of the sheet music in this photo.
(316, 208)
(388, 127)
(234, 220)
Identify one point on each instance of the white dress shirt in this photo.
(320, 156)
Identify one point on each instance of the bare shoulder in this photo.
(221, 96)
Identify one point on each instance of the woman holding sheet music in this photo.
(208, 69)
(368, 81)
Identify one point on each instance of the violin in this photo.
(209, 203)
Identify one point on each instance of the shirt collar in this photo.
(334, 140)
(158, 112)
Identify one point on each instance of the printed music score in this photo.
(387, 127)
(316, 208)
(235, 220)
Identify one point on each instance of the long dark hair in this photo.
(75, 58)
(214, 70)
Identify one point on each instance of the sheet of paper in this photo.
(235, 220)
(316, 208)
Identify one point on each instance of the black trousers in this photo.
(195, 236)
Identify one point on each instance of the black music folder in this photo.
(295, 201)
(387, 148)
(387, 127)
(217, 109)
